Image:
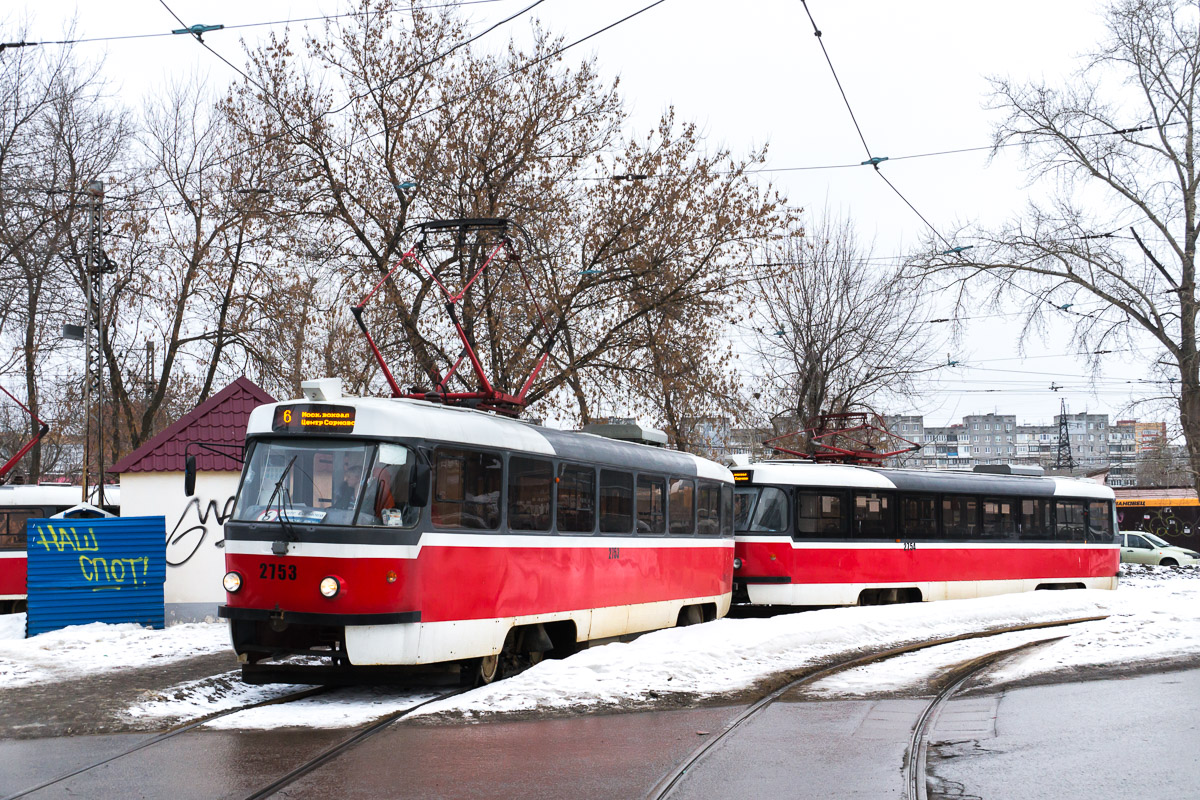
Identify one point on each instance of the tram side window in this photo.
(651, 505)
(682, 506)
(727, 511)
(529, 482)
(708, 509)
(872, 515)
(918, 515)
(466, 489)
(12, 526)
(960, 517)
(818, 515)
(576, 499)
(387, 494)
(1070, 521)
(999, 518)
(616, 501)
(1035, 520)
(1100, 527)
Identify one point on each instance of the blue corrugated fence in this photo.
(95, 570)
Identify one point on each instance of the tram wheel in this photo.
(485, 670)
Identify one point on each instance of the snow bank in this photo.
(730, 655)
(98, 647)
(1153, 616)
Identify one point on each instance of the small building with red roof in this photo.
(152, 484)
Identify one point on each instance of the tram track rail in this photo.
(915, 760)
(336, 750)
(273, 787)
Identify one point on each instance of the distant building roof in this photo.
(221, 419)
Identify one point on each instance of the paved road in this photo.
(1129, 738)
(1090, 739)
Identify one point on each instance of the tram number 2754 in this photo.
(277, 572)
(910, 545)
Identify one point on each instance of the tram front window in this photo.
(322, 483)
(760, 510)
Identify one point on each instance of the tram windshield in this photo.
(760, 509)
(327, 483)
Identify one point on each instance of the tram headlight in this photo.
(330, 586)
(232, 582)
(737, 563)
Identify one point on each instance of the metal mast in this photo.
(1064, 460)
(93, 347)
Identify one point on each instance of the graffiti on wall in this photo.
(192, 529)
(98, 572)
(1178, 523)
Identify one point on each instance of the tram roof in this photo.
(58, 494)
(417, 419)
(806, 473)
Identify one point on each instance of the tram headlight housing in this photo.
(232, 582)
(737, 563)
(330, 586)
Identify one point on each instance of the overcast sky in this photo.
(753, 73)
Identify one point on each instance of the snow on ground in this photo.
(98, 647)
(340, 708)
(1154, 615)
(344, 708)
(1156, 618)
(200, 698)
(732, 655)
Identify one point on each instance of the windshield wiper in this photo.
(280, 548)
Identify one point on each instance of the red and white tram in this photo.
(813, 534)
(374, 532)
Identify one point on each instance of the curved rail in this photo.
(668, 783)
(915, 762)
(171, 733)
(338, 749)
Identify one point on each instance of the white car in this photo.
(1146, 548)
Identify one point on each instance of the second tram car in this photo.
(811, 534)
(375, 532)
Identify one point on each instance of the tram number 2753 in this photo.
(614, 552)
(277, 572)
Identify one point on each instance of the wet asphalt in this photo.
(1134, 736)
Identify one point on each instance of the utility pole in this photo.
(93, 347)
(1064, 460)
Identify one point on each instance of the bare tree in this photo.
(836, 332)
(58, 132)
(1118, 138)
(376, 131)
(192, 242)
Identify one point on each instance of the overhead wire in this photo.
(464, 96)
(238, 26)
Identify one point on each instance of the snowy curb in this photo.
(732, 655)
